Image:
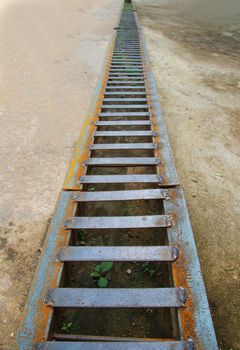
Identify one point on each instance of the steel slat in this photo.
(124, 44)
(124, 133)
(118, 253)
(127, 56)
(135, 82)
(125, 75)
(126, 64)
(123, 122)
(125, 106)
(127, 72)
(146, 345)
(125, 93)
(124, 114)
(120, 71)
(125, 99)
(117, 222)
(116, 297)
(127, 61)
(122, 161)
(84, 337)
(89, 179)
(157, 193)
(123, 79)
(126, 52)
(130, 87)
(124, 68)
(128, 47)
(118, 146)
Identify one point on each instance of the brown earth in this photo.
(195, 51)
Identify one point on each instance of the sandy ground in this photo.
(51, 55)
(195, 51)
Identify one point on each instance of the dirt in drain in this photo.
(131, 322)
(143, 323)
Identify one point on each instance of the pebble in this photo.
(219, 174)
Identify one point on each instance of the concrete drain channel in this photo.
(121, 218)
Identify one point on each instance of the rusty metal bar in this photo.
(118, 253)
(80, 337)
(147, 345)
(120, 146)
(123, 122)
(134, 133)
(123, 161)
(116, 297)
(113, 222)
(124, 114)
(158, 193)
(90, 179)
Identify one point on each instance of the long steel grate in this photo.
(123, 156)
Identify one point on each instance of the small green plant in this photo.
(100, 273)
(149, 268)
(66, 327)
(91, 188)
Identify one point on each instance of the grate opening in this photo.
(142, 323)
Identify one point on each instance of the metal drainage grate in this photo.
(124, 152)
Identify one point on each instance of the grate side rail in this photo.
(122, 163)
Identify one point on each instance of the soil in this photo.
(194, 50)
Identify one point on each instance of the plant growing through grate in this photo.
(101, 273)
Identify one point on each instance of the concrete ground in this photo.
(51, 55)
(195, 51)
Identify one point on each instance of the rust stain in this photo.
(180, 272)
(43, 316)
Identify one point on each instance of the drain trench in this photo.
(122, 205)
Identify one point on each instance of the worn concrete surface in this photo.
(195, 51)
(51, 55)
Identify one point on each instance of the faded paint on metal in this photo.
(36, 316)
(195, 319)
